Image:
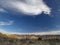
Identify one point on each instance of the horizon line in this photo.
(57, 32)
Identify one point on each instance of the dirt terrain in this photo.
(9, 39)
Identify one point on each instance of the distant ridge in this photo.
(31, 39)
(57, 32)
(34, 33)
(38, 33)
(29, 36)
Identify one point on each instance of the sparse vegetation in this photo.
(34, 40)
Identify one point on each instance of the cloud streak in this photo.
(3, 31)
(52, 32)
(2, 10)
(57, 32)
(6, 23)
(30, 7)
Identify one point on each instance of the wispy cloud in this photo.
(6, 23)
(2, 10)
(3, 31)
(57, 32)
(30, 7)
(37, 33)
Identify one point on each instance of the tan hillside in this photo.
(13, 39)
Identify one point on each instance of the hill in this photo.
(14, 39)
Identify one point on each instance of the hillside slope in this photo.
(13, 39)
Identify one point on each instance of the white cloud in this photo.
(6, 23)
(2, 10)
(30, 7)
(57, 32)
(3, 31)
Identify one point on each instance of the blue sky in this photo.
(33, 20)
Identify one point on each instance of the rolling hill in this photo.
(15, 39)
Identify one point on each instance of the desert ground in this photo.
(29, 39)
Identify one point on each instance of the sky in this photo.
(32, 16)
